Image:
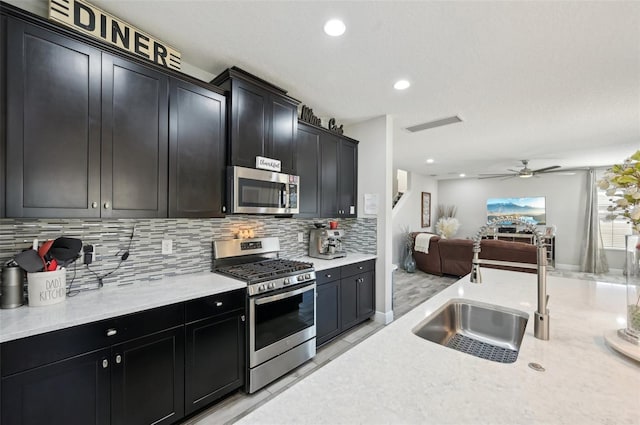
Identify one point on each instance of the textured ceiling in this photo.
(557, 83)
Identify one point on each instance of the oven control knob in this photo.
(307, 276)
(261, 288)
(300, 278)
(287, 281)
(272, 285)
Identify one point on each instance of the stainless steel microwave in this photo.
(251, 191)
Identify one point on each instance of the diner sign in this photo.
(86, 18)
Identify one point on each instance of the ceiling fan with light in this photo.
(523, 173)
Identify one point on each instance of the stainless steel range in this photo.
(281, 303)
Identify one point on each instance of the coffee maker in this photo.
(326, 243)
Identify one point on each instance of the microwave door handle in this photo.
(282, 296)
(285, 194)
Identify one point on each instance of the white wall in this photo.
(565, 205)
(375, 175)
(407, 212)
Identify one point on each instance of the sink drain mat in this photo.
(482, 349)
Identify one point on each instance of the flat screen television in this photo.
(531, 209)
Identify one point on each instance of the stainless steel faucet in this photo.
(541, 325)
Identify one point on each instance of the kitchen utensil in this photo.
(44, 249)
(30, 261)
(65, 250)
(320, 225)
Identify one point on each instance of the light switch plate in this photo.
(300, 237)
(167, 246)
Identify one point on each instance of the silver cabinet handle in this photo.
(118, 359)
(106, 205)
(224, 209)
(105, 363)
(111, 332)
(94, 205)
(242, 318)
(360, 267)
(218, 303)
(328, 275)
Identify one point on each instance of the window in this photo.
(613, 231)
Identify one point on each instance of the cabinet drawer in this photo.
(215, 305)
(327, 275)
(38, 350)
(356, 268)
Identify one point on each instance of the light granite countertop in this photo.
(113, 300)
(395, 377)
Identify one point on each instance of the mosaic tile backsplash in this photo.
(192, 252)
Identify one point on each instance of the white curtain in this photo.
(594, 259)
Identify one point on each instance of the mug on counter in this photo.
(333, 225)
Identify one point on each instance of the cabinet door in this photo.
(348, 176)
(329, 176)
(327, 311)
(72, 391)
(214, 363)
(249, 123)
(53, 125)
(197, 146)
(135, 109)
(348, 302)
(308, 166)
(366, 295)
(284, 127)
(148, 379)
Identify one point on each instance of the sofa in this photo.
(454, 256)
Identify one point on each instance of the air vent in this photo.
(436, 123)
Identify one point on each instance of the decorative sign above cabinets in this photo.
(268, 164)
(86, 18)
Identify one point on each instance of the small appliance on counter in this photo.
(326, 243)
(12, 287)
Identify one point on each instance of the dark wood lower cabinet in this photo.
(327, 311)
(345, 301)
(150, 367)
(148, 379)
(214, 363)
(71, 391)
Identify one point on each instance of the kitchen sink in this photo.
(483, 330)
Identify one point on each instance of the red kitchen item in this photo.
(52, 266)
(44, 249)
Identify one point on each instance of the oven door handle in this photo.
(284, 295)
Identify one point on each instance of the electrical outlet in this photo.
(300, 237)
(167, 246)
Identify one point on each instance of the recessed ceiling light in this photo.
(430, 161)
(334, 27)
(463, 175)
(401, 85)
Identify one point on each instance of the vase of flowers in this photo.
(622, 183)
(447, 225)
(409, 263)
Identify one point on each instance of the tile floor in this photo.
(409, 290)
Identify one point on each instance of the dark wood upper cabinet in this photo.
(135, 139)
(87, 130)
(308, 166)
(348, 176)
(328, 167)
(53, 124)
(196, 151)
(262, 120)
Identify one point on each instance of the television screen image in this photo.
(530, 209)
